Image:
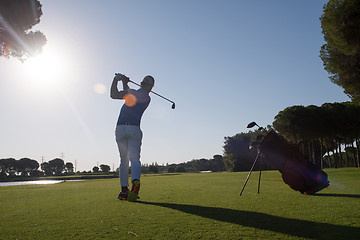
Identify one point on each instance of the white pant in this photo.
(128, 138)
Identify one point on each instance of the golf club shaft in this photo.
(153, 92)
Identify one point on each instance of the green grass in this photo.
(184, 206)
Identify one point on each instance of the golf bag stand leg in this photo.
(260, 175)
(247, 179)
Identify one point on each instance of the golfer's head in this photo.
(148, 83)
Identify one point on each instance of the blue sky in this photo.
(224, 63)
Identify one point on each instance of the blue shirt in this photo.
(132, 114)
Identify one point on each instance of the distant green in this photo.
(184, 206)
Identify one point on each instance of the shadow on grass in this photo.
(293, 227)
(336, 195)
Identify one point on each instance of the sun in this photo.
(46, 70)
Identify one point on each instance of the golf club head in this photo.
(173, 106)
(252, 124)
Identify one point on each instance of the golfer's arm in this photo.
(114, 92)
(125, 85)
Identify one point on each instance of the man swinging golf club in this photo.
(128, 133)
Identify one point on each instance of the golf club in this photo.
(252, 124)
(173, 103)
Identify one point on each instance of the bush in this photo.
(171, 170)
(153, 169)
(179, 169)
(36, 173)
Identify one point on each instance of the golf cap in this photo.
(148, 80)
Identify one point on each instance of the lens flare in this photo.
(130, 100)
(99, 88)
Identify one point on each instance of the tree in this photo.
(341, 54)
(290, 122)
(69, 167)
(95, 169)
(26, 165)
(8, 166)
(321, 130)
(303, 125)
(217, 163)
(105, 168)
(57, 166)
(17, 17)
(45, 166)
(237, 153)
(200, 164)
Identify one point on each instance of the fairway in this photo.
(184, 206)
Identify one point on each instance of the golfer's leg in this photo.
(122, 143)
(134, 153)
(124, 163)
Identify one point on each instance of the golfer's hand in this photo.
(118, 77)
(121, 77)
(125, 79)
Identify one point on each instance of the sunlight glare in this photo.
(46, 70)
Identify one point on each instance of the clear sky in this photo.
(224, 63)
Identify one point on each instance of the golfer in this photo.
(128, 133)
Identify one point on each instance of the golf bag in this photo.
(299, 173)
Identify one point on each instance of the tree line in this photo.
(103, 168)
(26, 167)
(214, 164)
